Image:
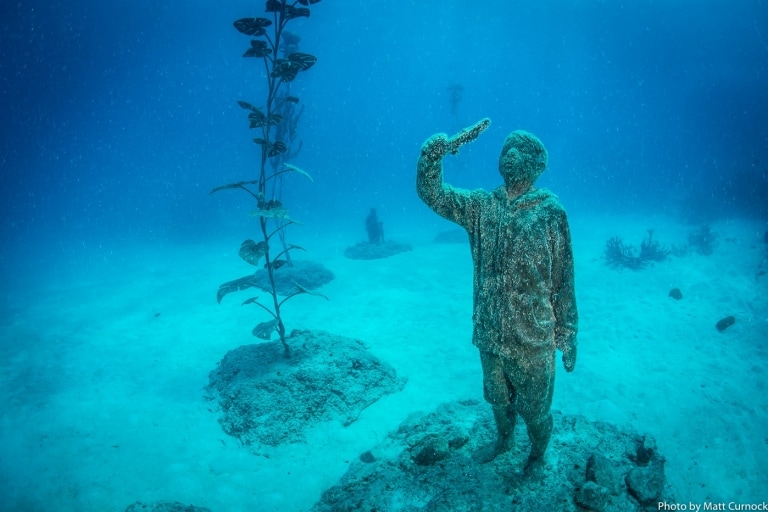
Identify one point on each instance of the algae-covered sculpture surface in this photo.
(275, 122)
(524, 305)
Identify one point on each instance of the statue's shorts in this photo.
(527, 387)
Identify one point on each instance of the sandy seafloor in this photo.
(103, 366)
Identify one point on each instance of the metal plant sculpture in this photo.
(282, 67)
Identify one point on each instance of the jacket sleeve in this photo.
(563, 290)
(454, 204)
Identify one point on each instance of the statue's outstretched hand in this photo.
(467, 135)
(439, 145)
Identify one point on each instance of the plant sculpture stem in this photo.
(269, 210)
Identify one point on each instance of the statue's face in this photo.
(509, 162)
(523, 158)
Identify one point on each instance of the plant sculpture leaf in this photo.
(252, 26)
(304, 60)
(276, 148)
(239, 184)
(308, 291)
(293, 168)
(273, 148)
(251, 252)
(235, 286)
(258, 49)
(265, 329)
(274, 213)
(246, 105)
(285, 69)
(274, 265)
(257, 119)
(292, 12)
(288, 248)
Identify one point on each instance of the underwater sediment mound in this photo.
(265, 398)
(164, 506)
(375, 251)
(309, 274)
(427, 465)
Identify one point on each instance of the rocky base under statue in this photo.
(428, 465)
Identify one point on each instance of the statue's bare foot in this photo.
(534, 465)
(492, 450)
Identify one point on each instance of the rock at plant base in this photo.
(375, 251)
(309, 274)
(592, 496)
(428, 465)
(164, 506)
(265, 398)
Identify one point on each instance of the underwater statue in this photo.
(376, 247)
(456, 93)
(524, 301)
(290, 43)
(374, 227)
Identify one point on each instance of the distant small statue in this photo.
(290, 43)
(375, 247)
(374, 227)
(456, 93)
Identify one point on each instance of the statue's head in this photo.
(523, 158)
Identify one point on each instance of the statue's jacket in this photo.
(524, 302)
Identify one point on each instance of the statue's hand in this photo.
(569, 359)
(435, 147)
(467, 135)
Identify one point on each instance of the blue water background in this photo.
(118, 118)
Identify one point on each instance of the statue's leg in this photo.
(501, 395)
(535, 384)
